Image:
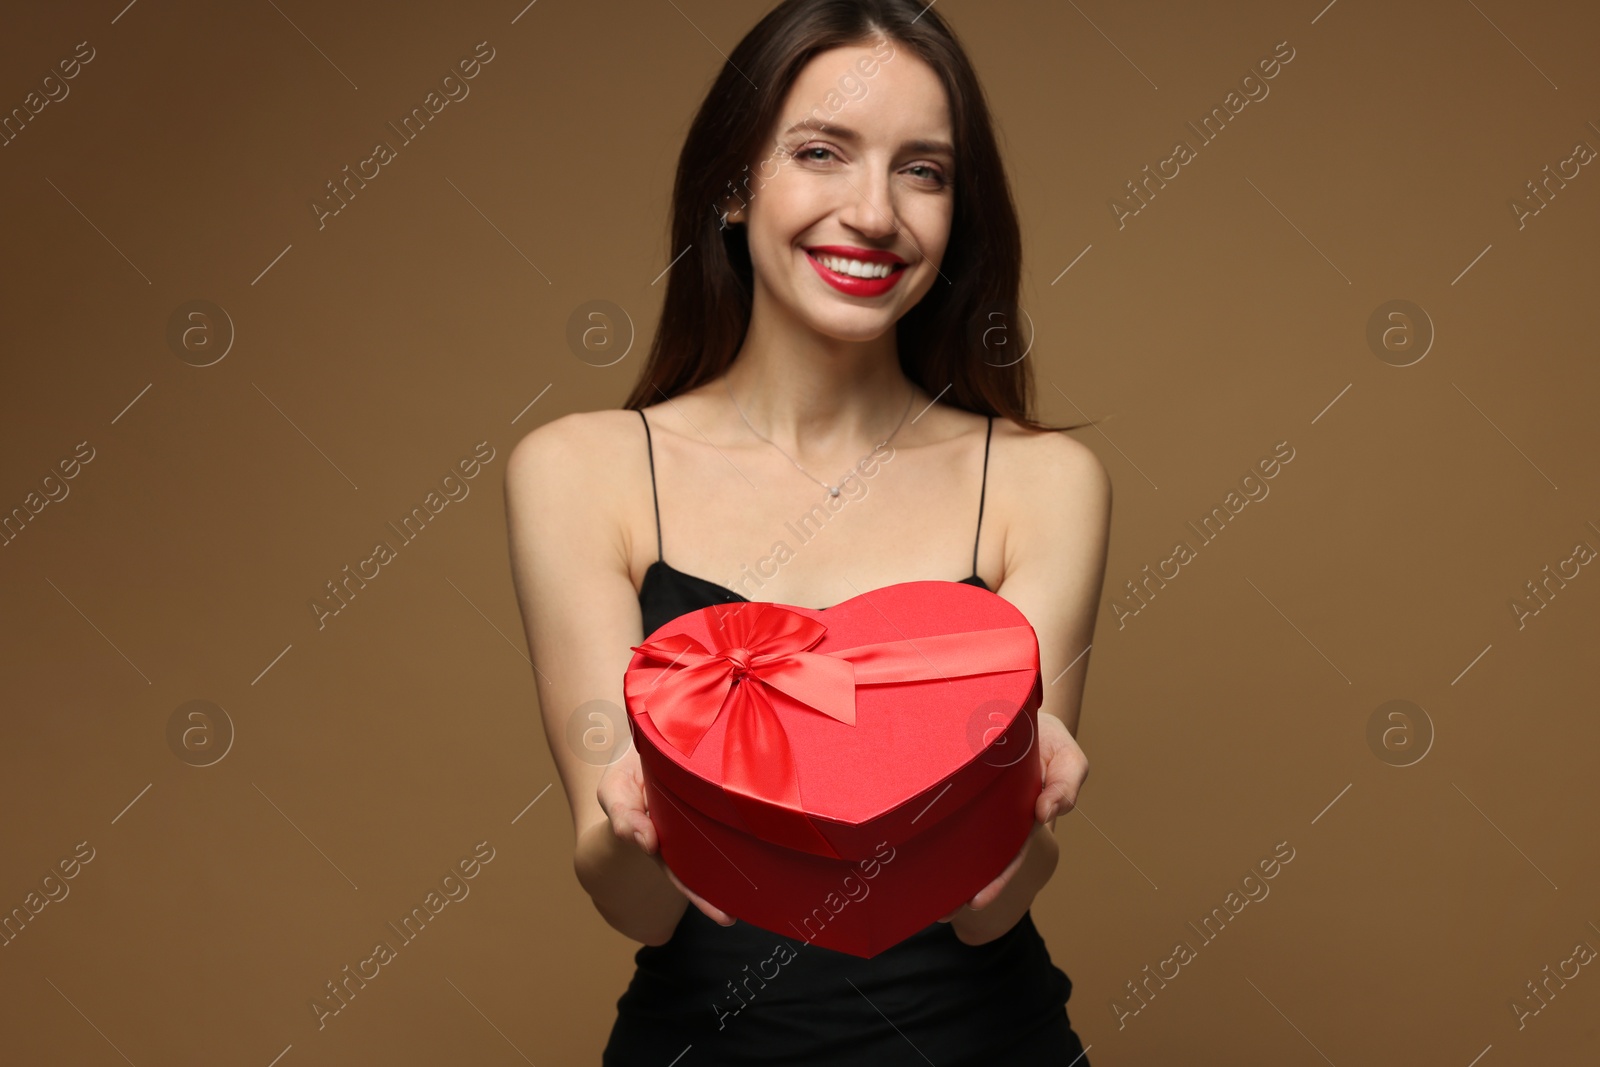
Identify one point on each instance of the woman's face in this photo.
(848, 216)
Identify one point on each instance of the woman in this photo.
(850, 249)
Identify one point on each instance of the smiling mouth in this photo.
(857, 272)
(855, 268)
(868, 266)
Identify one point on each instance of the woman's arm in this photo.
(580, 614)
(1055, 560)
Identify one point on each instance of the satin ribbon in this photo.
(758, 647)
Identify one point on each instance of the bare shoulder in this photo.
(577, 453)
(1052, 465)
(1058, 491)
(567, 478)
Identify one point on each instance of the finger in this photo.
(632, 824)
(1049, 804)
(1060, 791)
(988, 893)
(952, 915)
(715, 913)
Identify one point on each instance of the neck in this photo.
(811, 394)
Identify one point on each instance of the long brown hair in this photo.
(944, 340)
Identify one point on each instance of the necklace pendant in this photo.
(833, 490)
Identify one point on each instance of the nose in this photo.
(869, 205)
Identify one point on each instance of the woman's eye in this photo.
(822, 154)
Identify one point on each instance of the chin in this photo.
(850, 324)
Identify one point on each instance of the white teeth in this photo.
(855, 268)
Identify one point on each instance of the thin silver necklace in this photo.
(833, 490)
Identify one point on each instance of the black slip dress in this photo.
(715, 995)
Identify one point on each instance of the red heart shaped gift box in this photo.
(846, 775)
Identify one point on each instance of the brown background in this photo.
(372, 754)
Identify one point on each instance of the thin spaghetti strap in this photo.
(651, 449)
(981, 493)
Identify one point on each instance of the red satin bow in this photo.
(758, 647)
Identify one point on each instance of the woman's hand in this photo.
(621, 796)
(999, 905)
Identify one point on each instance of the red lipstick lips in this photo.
(850, 284)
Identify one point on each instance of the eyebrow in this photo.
(845, 134)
